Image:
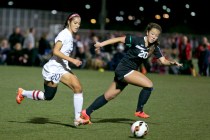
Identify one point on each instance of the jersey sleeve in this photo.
(157, 52)
(130, 40)
(60, 37)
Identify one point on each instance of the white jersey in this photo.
(56, 67)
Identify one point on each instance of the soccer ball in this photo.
(139, 129)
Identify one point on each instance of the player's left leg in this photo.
(70, 80)
(139, 79)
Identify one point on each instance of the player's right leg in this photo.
(99, 102)
(33, 94)
(19, 96)
(37, 94)
(85, 116)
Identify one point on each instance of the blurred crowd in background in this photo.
(23, 48)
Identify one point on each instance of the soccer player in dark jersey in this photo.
(140, 49)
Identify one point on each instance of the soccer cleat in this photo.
(84, 115)
(80, 121)
(141, 114)
(19, 96)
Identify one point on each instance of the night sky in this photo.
(179, 15)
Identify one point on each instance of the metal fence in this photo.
(43, 21)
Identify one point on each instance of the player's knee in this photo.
(48, 97)
(49, 92)
(77, 88)
(149, 84)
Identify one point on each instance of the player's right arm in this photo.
(98, 45)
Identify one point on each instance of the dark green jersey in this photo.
(137, 52)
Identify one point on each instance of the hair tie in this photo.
(74, 15)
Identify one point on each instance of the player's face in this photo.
(75, 24)
(153, 35)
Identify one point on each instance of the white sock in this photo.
(78, 103)
(34, 94)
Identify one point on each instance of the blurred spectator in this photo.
(44, 49)
(44, 46)
(194, 43)
(96, 59)
(157, 67)
(109, 48)
(16, 37)
(203, 56)
(88, 42)
(17, 56)
(118, 55)
(173, 55)
(29, 46)
(146, 66)
(4, 50)
(79, 50)
(94, 39)
(174, 47)
(185, 56)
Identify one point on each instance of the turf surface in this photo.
(179, 108)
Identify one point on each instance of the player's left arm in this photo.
(164, 61)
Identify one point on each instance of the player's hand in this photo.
(97, 46)
(77, 62)
(177, 64)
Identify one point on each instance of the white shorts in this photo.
(53, 73)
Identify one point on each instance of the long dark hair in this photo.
(156, 26)
(153, 25)
(69, 18)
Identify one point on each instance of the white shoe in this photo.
(80, 121)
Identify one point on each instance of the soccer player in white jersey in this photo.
(57, 70)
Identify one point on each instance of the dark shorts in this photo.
(120, 84)
(120, 71)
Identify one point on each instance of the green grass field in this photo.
(179, 108)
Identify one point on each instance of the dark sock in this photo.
(143, 97)
(99, 102)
